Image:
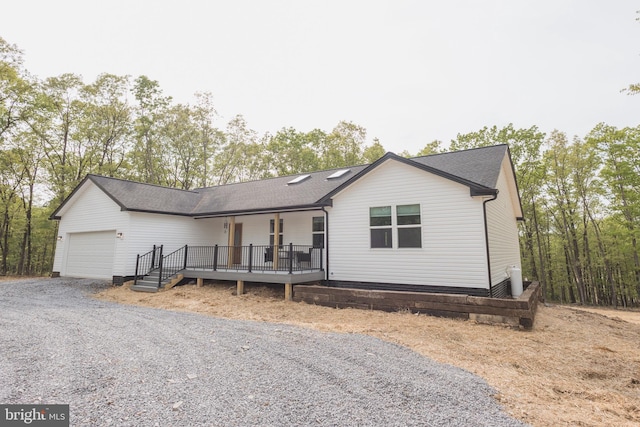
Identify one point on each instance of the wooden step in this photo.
(150, 282)
(142, 288)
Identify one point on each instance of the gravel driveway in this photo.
(133, 366)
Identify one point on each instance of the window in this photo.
(408, 214)
(405, 226)
(272, 226)
(381, 238)
(298, 179)
(380, 216)
(409, 236)
(317, 228)
(339, 173)
(381, 231)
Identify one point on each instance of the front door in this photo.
(237, 244)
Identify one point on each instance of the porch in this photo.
(286, 264)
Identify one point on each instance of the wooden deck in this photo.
(267, 276)
(286, 264)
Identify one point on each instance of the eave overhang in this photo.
(258, 211)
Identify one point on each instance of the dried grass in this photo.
(575, 367)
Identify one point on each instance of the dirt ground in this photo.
(576, 367)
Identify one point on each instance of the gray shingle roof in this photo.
(270, 193)
(477, 168)
(136, 196)
(479, 165)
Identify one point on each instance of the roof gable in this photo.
(464, 170)
(136, 196)
(77, 192)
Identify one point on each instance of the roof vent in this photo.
(298, 179)
(338, 174)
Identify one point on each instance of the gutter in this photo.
(486, 238)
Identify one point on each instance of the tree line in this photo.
(581, 197)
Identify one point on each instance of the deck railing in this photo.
(171, 264)
(148, 262)
(253, 258)
(256, 258)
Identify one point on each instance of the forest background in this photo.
(580, 196)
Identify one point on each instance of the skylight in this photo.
(298, 179)
(338, 174)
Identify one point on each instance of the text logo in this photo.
(34, 415)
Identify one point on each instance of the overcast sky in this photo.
(408, 71)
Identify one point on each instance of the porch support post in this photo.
(199, 282)
(240, 287)
(290, 257)
(288, 292)
(232, 236)
(276, 241)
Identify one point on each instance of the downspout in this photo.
(486, 239)
(326, 242)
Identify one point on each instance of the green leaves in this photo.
(289, 151)
(619, 148)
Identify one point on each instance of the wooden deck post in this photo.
(288, 292)
(231, 242)
(199, 282)
(276, 241)
(240, 287)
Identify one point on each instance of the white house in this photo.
(439, 223)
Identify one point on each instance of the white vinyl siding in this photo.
(453, 251)
(171, 231)
(502, 226)
(298, 227)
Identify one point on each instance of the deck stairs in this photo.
(150, 282)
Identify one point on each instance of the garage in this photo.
(90, 255)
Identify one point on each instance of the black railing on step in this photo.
(253, 258)
(148, 262)
(173, 263)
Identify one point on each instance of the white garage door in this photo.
(91, 255)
